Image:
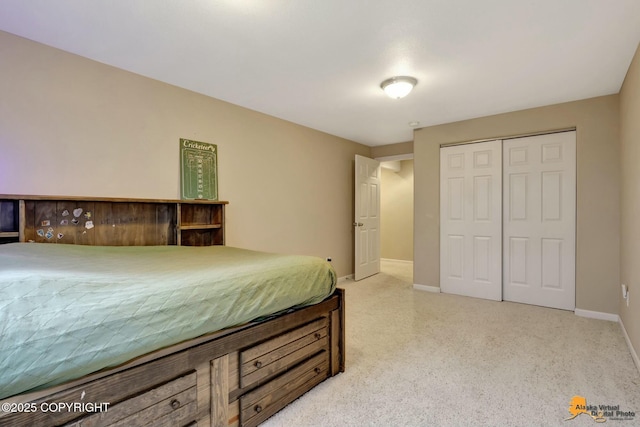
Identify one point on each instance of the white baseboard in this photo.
(404, 261)
(426, 288)
(597, 315)
(634, 355)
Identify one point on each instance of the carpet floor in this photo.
(416, 358)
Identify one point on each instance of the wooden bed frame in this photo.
(234, 377)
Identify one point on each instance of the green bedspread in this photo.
(66, 310)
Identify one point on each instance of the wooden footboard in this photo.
(236, 377)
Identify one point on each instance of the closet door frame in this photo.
(548, 281)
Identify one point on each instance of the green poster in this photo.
(198, 170)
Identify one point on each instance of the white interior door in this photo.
(539, 220)
(367, 221)
(471, 220)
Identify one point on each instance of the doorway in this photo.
(396, 210)
(384, 192)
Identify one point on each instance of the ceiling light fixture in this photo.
(398, 87)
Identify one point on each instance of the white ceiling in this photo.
(319, 63)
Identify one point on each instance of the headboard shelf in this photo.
(111, 221)
(200, 227)
(108, 199)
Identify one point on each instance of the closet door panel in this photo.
(471, 220)
(539, 209)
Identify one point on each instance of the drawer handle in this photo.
(175, 403)
(258, 408)
(258, 364)
(317, 370)
(317, 335)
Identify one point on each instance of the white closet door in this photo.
(471, 220)
(539, 220)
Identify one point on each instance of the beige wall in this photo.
(396, 212)
(630, 206)
(392, 150)
(598, 189)
(72, 126)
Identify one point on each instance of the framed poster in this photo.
(198, 170)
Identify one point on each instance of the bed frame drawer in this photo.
(171, 404)
(274, 356)
(260, 404)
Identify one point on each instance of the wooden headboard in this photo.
(111, 221)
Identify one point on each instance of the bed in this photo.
(160, 333)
